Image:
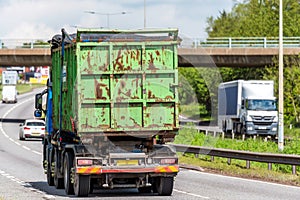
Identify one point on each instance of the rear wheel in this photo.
(82, 185)
(164, 185)
(68, 165)
(21, 136)
(50, 179)
(58, 182)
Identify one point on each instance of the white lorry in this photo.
(9, 82)
(248, 107)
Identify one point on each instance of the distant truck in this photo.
(112, 105)
(248, 107)
(9, 90)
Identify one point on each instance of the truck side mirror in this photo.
(38, 101)
(37, 113)
(243, 104)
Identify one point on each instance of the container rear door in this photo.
(127, 87)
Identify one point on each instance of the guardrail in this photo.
(221, 42)
(293, 160)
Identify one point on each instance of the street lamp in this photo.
(280, 85)
(144, 14)
(107, 15)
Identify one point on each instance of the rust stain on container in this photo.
(169, 98)
(151, 63)
(99, 90)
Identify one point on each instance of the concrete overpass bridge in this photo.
(220, 52)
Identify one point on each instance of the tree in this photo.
(256, 18)
(291, 87)
(260, 18)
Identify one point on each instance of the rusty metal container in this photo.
(117, 82)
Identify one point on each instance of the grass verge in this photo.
(280, 173)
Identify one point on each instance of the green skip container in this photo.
(117, 82)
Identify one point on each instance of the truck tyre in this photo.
(58, 182)
(50, 179)
(68, 165)
(82, 185)
(164, 185)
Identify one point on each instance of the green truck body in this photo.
(117, 86)
(114, 104)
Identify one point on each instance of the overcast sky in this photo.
(22, 19)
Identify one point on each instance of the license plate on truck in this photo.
(262, 127)
(127, 162)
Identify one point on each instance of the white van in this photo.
(9, 94)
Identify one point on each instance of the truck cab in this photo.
(259, 115)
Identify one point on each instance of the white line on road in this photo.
(191, 194)
(7, 136)
(244, 179)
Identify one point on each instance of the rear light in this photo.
(168, 161)
(42, 129)
(26, 128)
(81, 162)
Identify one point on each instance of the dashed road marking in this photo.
(191, 194)
(7, 175)
(7, 136)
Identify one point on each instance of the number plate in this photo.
(127, 162)
(262, 127)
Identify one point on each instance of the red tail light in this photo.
(43, 129)
(26, 128)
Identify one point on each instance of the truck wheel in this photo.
(68, 165)
(58, 182)
(50, 179)
(164, 185)
(82, 185)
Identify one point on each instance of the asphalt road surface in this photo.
(22, 177)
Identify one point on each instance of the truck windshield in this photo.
(261, 104)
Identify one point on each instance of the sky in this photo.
(41, 19)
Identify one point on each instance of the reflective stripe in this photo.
(98, 170)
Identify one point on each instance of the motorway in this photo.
(22, 177)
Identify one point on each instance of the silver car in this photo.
(32, 128)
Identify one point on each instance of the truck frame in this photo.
(111, 107)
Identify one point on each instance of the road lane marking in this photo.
(191, 194)
(27, 148)
(7, 136)
(26, 185)
(245, 179)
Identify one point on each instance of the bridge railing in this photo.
(23, 43)
(217, 42)
(249, 42)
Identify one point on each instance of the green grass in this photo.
(280, 173)
(194, 111)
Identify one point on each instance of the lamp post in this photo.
(107, 15)
(144, 14)
(280, 84)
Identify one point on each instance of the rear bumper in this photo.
(34, 136)
(106, 170)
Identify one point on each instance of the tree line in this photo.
(250, 18)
